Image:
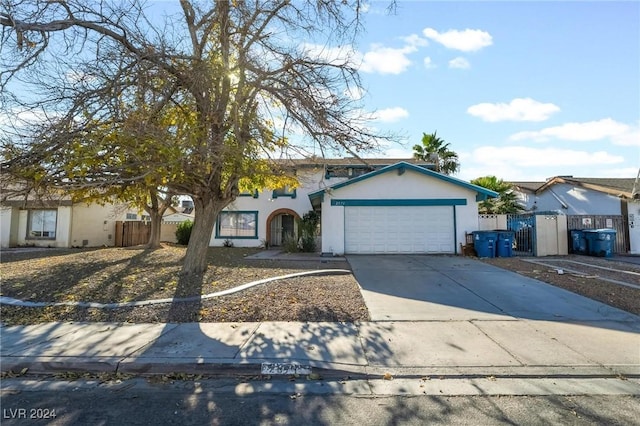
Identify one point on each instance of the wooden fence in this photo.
(132, 233)
(617, 222)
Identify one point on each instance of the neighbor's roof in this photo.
(620, 187)
(349, 161)
(481, 193)
(527, 186)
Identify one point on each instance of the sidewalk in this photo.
(471, 348)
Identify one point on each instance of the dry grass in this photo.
(132, 274)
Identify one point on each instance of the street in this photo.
(140, 401)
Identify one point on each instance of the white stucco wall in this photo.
(332, 227)
(579, 201)
(9, 217)
(310, 180)
(391, 185)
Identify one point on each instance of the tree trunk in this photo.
(156, 228)
(156, 209)
(206, 212)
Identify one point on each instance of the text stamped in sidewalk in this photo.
(284, 368)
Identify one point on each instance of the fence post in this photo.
(119, 233)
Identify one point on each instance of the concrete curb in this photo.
(230, 368)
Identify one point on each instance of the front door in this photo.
(287, 227)
(282, 227)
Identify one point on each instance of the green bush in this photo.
(183, 232)
(308, 228)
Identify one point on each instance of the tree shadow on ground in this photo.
(255, 399)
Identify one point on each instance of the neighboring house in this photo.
(384, 206)
(60, 222)
(576, 196)
(173, 217)
(588, 203)
(180, 213)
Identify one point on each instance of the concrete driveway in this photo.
(441, 288)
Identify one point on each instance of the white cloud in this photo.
(537, 164)
(519, 109)
(459, 62)
(524, 156)
(467, 40)
(333, 55)
(386, 60)
(414, 40)
(390, 115)
(428, 63)
(583, 132)
(629, 138)
(16, 118)
(355, 93)
(624, 172)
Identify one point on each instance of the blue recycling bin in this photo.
(504, 244)
(578, 242)
(484, 242)
(600, 242)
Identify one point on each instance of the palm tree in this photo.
(435, 149)
(506, 202)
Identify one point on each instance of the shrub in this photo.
(308, 228)
(290, 244)
(183, 232)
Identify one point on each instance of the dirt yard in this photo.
(132, 274)
(593, 277)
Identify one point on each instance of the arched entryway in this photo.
(281, 223)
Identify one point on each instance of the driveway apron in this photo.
(441, 288)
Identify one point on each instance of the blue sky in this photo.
(521, 90)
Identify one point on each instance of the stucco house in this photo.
(576, 196)
(588, 203)
(380, 206)
(59, 222)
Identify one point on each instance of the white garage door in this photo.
(399, 229)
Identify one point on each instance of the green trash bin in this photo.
(600, 242)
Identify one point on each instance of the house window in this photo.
(283, 192)
(146, 218)
(240, 224)
(42, 224)
(253, 194)
(132, 216)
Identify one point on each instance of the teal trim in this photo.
(402, 202)
(480, 191)
(252, 237)
(316, 194)
(254, 194)
(455, 231)
(280, 193)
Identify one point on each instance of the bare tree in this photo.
(235, 76)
